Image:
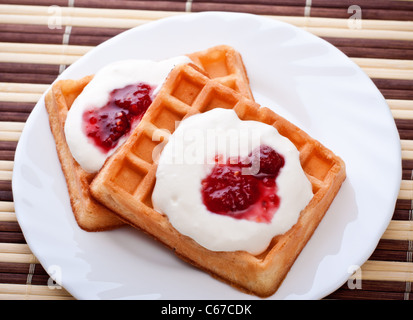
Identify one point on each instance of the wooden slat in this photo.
(18, 257)
(6, 206)
(44, 48)
(402, 270)
(19, 97)
(37, 58)
(14, 248)
(32, 292)
(7, 216)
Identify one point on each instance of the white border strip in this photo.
(66, 35)
(307, 9)
(188, 6)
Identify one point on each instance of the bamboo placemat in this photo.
(39, 39)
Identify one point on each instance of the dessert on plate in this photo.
(91, 117)
(228, 185)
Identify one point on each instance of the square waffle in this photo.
(126, 182)
(223, 63)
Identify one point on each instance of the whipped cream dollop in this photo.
(96, 94)
(189, 156)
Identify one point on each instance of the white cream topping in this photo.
(96, 94)
(189, 156)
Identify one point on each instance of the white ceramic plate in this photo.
(301, 77)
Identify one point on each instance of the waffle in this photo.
(222, 62)
(126, 182)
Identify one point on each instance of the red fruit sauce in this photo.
(227, 191)
(106, 125)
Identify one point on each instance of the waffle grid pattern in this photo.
(175, 106)
(131, 197)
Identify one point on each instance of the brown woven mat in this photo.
(32, 54)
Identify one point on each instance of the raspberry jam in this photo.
(229, 191)
(106, 125)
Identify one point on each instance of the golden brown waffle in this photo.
(126, 182)
(223, 62)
